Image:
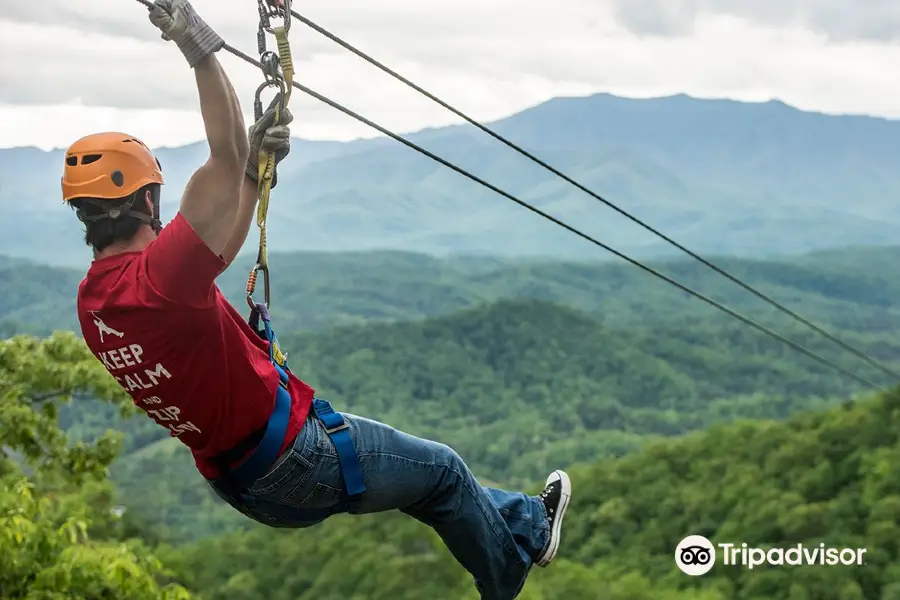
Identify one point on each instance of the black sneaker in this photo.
(556, 496)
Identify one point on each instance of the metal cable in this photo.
(818, 329)
(746, 320)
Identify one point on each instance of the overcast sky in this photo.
(70, 68)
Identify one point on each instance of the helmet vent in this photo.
(90, 158)
(117, 178)
(72, 161)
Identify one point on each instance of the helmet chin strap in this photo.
(155, 223)
(118, 212)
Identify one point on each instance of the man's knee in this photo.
(455, 472)
(447, 456)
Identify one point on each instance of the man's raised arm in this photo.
(212, 196)
(263, 135)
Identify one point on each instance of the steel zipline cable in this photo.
(412, 145)
(374, 62)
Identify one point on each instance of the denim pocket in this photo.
(292, 470)
(299, 497)
(321, 496)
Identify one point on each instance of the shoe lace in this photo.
(544, 496)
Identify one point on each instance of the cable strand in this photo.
(412, 145)
(374, 62)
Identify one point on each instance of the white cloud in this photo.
(101, 66)
(877, 20)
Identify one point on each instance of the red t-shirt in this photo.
(159, 324)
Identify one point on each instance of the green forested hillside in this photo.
(518, 388)
(852, 289)
(604, 360)
(522, 367)
(823, 477)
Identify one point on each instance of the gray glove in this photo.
(180, 23)
(272, 138)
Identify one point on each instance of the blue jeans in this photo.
(493, 533)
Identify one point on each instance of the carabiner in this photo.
(257, 98)
(251, 284)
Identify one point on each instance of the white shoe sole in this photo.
(556, 533)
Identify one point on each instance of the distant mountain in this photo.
(720, 176)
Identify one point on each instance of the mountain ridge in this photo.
(680, 96)
(749, 179)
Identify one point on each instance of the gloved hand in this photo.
(273, 138)
(178, 21)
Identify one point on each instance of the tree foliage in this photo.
(518, 388)
(314, 291)
(620, 385)
(57, 531)
(821, 477)
(827, 477)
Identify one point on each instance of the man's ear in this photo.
(148, 202)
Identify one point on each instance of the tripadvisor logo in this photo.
(695, 555)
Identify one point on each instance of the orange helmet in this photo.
(108, 166)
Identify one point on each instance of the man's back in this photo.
(158, 323)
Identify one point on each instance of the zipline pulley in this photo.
(274, 9)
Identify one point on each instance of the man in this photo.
(151, 312)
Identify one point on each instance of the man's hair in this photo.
(102, 233)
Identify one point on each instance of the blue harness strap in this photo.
(266, 453)
(261, 459)
(339, 432)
